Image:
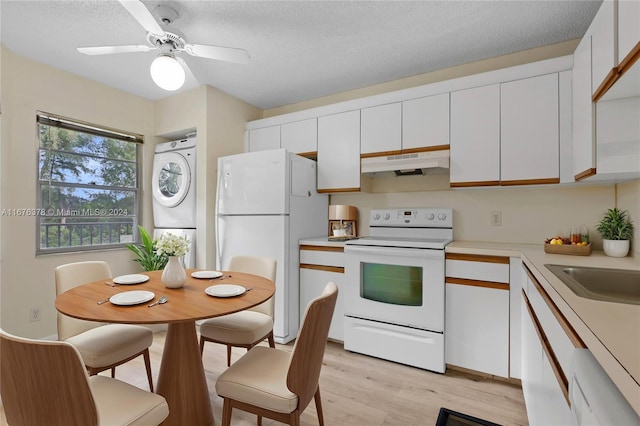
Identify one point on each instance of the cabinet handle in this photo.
(337, 269)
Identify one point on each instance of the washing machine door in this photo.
(171, 178)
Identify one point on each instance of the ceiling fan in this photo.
(167, 70)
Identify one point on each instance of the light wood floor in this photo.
(360, 390)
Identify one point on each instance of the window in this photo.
(88, 186)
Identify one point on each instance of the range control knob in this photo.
(387, 216)
(431, 216)
(376, 216)
(442, 216)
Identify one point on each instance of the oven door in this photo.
(401, 286)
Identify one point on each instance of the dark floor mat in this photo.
(448, 417)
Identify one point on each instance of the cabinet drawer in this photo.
(321, 256)
(480, 268)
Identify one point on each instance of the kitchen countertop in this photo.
(610, 330)
(320, 241)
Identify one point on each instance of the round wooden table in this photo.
(181, 379)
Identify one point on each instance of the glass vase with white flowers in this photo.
(174, 247)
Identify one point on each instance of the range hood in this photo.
(417, 163)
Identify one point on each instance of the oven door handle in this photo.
(394, 251)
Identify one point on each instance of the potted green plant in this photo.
(146, 254)
(616, 230)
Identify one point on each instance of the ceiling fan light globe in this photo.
(167, 73)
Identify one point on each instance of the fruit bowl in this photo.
(572, 249)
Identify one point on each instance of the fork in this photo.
(111, 283)
(104, 301)
(160, 301)
(221, 277)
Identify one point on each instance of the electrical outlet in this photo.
(496, 218)
(35, 314)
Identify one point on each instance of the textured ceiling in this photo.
(299, 50)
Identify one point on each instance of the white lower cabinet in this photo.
(477, 313)
(318, 266)
(548, 342)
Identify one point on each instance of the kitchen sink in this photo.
(611, 285)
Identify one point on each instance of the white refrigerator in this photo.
(265, 202)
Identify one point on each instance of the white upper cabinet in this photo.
(529, 142)
(381, 129)
(618, 138)
(425, 123)
(339, 152)
(628, 30)
(264, 138)
(475, 136)
(300, 137)
(604, 48)
(584, 149)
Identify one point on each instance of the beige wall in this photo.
(529, 215)
(628, 198)
(26, 280)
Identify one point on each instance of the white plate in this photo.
(206, 274)
(225, 290)
(134, 297)
(131, 279)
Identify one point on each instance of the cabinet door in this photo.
(264, 139)
(529, 141)
(618, 137)
(628, 30)
(339, 152)
(603, 46)
(584, 149)
(381, 129)
(531, 366)
(475, 136)
(425, 123)
(312, 282)
(477, 328)
(300, 137)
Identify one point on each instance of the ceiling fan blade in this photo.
(107, 50)
(229, 54)
(189, 75)
(139, 11)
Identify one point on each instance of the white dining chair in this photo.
(278, 384)
(249, 327)
(44, 383)
(102, 346)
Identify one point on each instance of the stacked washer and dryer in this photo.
(174, 192)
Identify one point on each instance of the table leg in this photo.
(181, 379)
